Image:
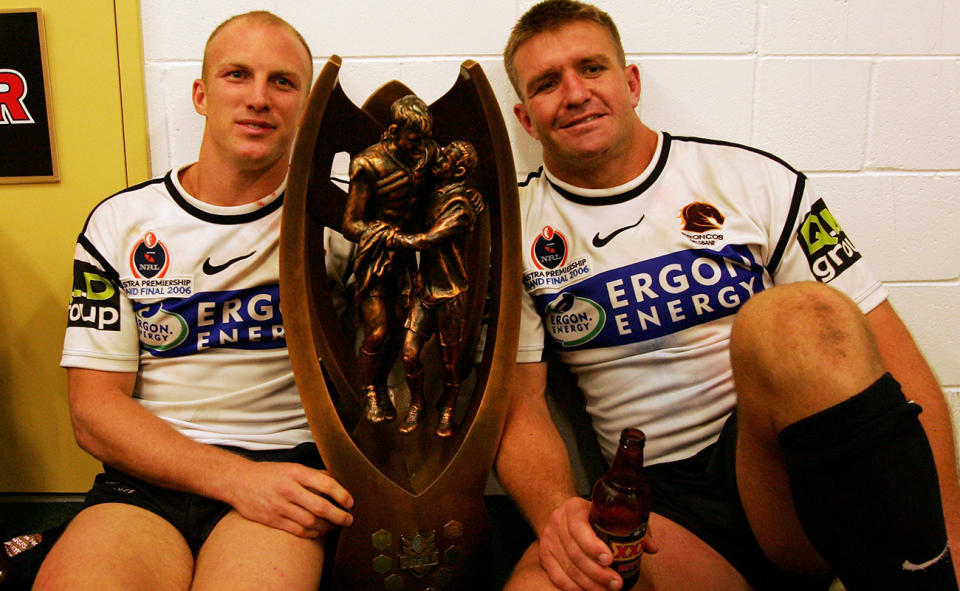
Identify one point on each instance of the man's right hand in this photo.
(291, 497)
(572, 555)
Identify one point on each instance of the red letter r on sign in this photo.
(13, 89)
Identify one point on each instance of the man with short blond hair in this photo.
(700, 292)
(178, 372)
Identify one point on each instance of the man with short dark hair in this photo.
(701, 292)
(178, 372)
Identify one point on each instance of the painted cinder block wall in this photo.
(863, 95)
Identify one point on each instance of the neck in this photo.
(219, 184)
(609, 170)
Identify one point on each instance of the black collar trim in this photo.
(215, 218)
(622, 197)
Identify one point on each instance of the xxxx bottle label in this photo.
(627, 552)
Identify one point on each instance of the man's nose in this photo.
(259, 98)
(576, 90)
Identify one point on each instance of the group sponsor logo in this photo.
(149, 257)
(549, 250)
(651, 299)
(95, 301)
(241, 319)
(702, 223)
(829, 252)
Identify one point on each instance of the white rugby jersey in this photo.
(636, 286)
(187, 295)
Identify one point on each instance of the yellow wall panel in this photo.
(95, 66)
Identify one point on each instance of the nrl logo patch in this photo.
(149, 257)
(549, 250)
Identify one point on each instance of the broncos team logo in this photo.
(701, 217)
(149, 257)
(549, 249)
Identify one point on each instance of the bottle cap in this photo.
(632, 435)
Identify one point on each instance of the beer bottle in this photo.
(621, 506)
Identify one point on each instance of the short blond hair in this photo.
(550, 15)
(258, 17)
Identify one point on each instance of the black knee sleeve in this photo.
(865, 488)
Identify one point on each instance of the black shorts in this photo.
(700, 494)
(194, 516)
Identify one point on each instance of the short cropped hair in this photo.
(550, 15)
(258, 17)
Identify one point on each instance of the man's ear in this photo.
(633, 83)
(199, 94)
(524, 118)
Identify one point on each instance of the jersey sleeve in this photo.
(531, 345)
(814, 246)
(101, 325)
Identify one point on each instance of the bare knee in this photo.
(528, 574)
(802, 344)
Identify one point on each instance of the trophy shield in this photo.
(419, 517)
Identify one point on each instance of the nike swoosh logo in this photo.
(912, 567)
(601, 242)
(211, 269)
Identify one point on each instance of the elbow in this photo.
(83, 433)
(83, 437)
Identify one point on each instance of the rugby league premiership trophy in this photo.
(405, 389)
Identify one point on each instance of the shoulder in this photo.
(531, 183)
(133, 198)
(533, 178)
(721, 152)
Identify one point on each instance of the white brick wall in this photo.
(863, 94)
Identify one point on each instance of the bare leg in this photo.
(796, 350)
(242, 555)
(683, 562)
(117, 547)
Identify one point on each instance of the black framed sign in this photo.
(27, 149)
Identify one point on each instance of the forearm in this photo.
(532, 462)
(113, 427)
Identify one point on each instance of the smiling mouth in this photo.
(256, 125)
(577, 122)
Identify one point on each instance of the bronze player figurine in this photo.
(385, 180)
(442, 281)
